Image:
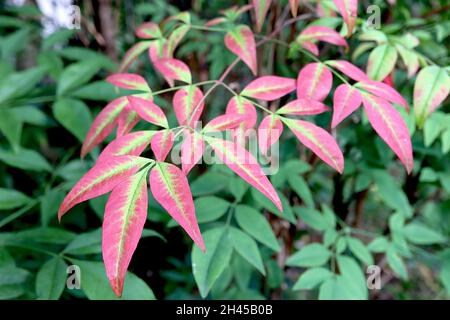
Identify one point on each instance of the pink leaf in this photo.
(185, 102)
(128, 81)
(173, 69)
(161, 144)
(127, 120)
(311, 47)
(123, 222)
(241, 106)
(321, 33)
(261, 7)
(224, 122)
(132, 54)
(244, 165)
(103, 124)
(390, 126)
(269, 88)
(269, 131)
(241, 42)
(175, 38)
(191, 151)
(131, 144)
(346, 100)
(148, 111)
(384, 91)
(148, 30)
(314, 81)
(294, 6)
(349, 12)
(319, 141)
(170, 189)
(101, 179)
(303, 107)
(349, 69)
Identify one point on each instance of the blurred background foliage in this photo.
(332, 228)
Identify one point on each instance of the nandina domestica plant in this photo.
(121, 170)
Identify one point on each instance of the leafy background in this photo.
(333, 226)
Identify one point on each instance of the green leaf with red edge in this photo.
(244, 165)
(123, 222)
(431, 88)
(103, 124)
(269, 88)
(381, 62)
(148, 30)
(390, 126)
(314, 81)
(319, 141)
(173, 69)
(261, 7)
(101, 179)
(269, 131)
(162, 143)
(148, 111)
(170, 189)
(349, 12)
(130, 144)
(128, 81)
(188, 103)
(132, 54)
(241, 42)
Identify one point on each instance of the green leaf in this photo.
(41, 235)
(209, 183)
(242, 271)
(255, 224)
(20, 84)
(74, 115)
(354, 278)
(312, 278)
(379, 244)
(381, 62)
(210, 208)
(207, 267)
(396, 263)
(311, 255)
(75, 75)
(11, 199)
(334, 288)
(95, 284)
(300, 187)
(100, 91)
(25, 159)
(11, 126)
(85, 243)
(247, 248)
(266, 203)
(359, 249)
(51, 279)
(418, 233)
(12, 282)
(238, 188)
(312, 218)
(49, 205)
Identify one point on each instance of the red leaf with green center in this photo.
(241, 42)
(128, 81)
(103, 124)
(390, 126)
(191, 151)
(269, 88)
(148, 111)
(148, 30)
(130, 144)
(239, 105)
(346, 100)
(127, 120)
(349, 69)
(303, 107)
(269, 131)
(314, 81)
(244, 165)
(384, 91)
(349, 12)
(101, 179)
(261, 7)
(319, 141)
(311, 47)
(224, 122)
(321, 33)
(171, 190)
(185, 102)
(161, 144)
(175, 38)
(173, 69)
(132, 54)
(294, 6)
(123, 222)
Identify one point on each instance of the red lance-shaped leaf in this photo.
(224, 122)
(349, 69)
(241, 106)
(311, 47)
(103, 124)
(319, 141)
(244, 165)
(148, 111)
(269, 131)
(130, 144)
(389, 125)
(170, 189)
(161, 144)
(269, 88)
(125, 216)
(261, 7)
(173, 69)
(303, 107)
(346, 100)
(191, 151)
(294, 6)
(132, 54)
(314, 81)
(321, 33)
(349, 12)
(127, 120)
(185, 102)
(101, 179)
(384, 91)
(128, 81)
(148, 30)
(241, 42)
